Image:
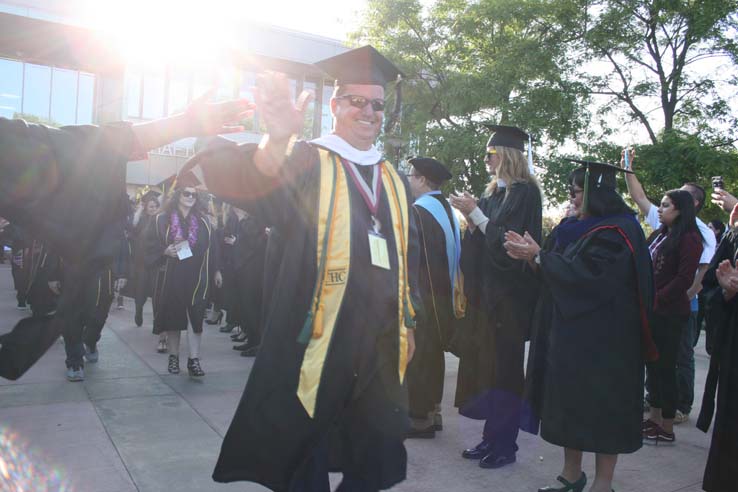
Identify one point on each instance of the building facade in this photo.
(57, 72)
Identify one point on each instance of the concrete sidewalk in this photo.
(131, 426)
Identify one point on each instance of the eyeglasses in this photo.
(489, 154)
(361, 102)
(573, 192)
(189, 194)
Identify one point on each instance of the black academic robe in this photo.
(246, 273)
(361, 396)
(61, 186)
(589, 337)
(435, 321)
(722, 378)
(143, 278)
(501, 293)
(43, 267)
(182, 286)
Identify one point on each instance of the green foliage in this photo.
(678, 158)
(466, 63)
(30, 118)
(664, 53)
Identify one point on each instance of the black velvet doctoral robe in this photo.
(722, 378)
(361, 397)
(589, 339)
(182, 286)
(436, 320)
(62, 186)
(501, 293)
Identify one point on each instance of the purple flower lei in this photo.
(175, 232)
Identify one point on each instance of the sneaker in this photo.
(22, 305)
(681, 417)
(91, 354)
(658, 436)
(75, 374)
(647, 425)
(161, 347)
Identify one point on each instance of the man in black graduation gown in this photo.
(353, 417)
(439, 238)
(248, 272)
(99, 284)
(60, 184)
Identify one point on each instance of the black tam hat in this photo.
(507, 136)
(601, 175)
(363, 66)
(431, 169)
(598, 175)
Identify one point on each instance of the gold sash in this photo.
(334, 261)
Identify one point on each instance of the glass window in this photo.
(202, 83)
(153, 95)
(11, 87)
(37, 90)
(326, 118)
(86, 99)
(64, 96)
(179, 91)
(227, 83)
(133, 95)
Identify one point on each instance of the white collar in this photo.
(341, 147)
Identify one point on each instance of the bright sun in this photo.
(169, 31)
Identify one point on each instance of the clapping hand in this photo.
(520, 247)
(464, 203)
(727, 277)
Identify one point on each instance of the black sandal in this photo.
(577, 486)
(193, 367)
(173, 366)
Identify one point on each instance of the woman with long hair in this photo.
(500, 292)
(585, 366)
(143, 277)
(675, 251)
(181, 238)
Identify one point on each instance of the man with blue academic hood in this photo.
(326, 389)
(441, 294)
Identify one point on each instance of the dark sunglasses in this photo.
(189, 194)
(361, 102)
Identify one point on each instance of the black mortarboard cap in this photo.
(431, 169)
(600, 173)
(364, 66)
(507, 136)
